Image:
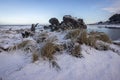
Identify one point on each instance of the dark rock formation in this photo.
(68, 22)
(72, 22)
(54, 21)
(54, 24)
(115, 19)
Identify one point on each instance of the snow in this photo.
(95, 65)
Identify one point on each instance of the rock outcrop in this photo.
(114, 19)
(68, 22)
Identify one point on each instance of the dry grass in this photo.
(23, 45)
(76, 51)
(41, 37)
(51, 39)
(34, 57)
(82, 37)
(101, 46)
(47, 53)
(101, 36)
(48, 50)
(20, 45)
(91, 41)
(73, 34)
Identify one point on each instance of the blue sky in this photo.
(40, 11)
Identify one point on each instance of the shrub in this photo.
(73, 34)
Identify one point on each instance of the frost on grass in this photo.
(72, 34)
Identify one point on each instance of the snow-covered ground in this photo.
(95, 65)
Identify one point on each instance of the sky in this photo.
(40, 11)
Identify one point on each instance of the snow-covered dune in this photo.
(94, 65)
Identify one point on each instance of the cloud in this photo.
(114, 8)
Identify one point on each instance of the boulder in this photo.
(73, 22)
(54, 21)
(68, 22)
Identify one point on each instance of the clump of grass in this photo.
(52, 39)
(21, 45)
(73, 34)
(47, 53)
(91, 41)
(101, 46)
(82, 38)
(34, 57)
(76, 51)
(41, 37)
(101, 36)
(48, 50)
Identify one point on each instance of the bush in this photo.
(73, 34)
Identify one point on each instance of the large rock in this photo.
(115, 19)
(73, 22)
(54, 21)
(68, 22)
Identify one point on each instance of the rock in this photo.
(68, 22)
(54, 21)
(73, 22)
(54, 24)
(115, 19)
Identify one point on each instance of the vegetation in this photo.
(76, 51)
(48, 51)
(35, 57)
(82, 38)
(73, 34)
(101, 36)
